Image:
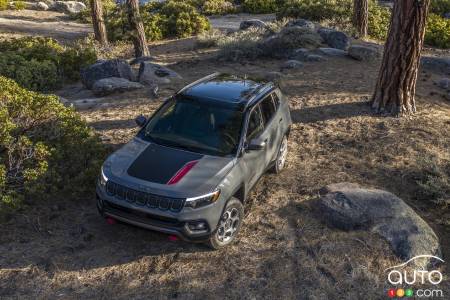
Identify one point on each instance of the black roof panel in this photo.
(226, 88)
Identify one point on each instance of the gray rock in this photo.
(440, 64)
(111, 85)
(314, 57)
(246, 24)
(338, 40)
(69, 7)
(301, 23)
(299, 54)
(42, 6)
(151, 73)
(444, 83)
(447, 15)
(363, 53)
(292, 64)
(332, 52)
(348, 206)
(105, 69)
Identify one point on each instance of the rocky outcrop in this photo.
(105, 69)
(363, 53)
(151, 74)
(292, 64)
(246, 24)
(335, 39)
(112, 85)
(302, 23)
(69, 7)
(348, 206)
(332, 52)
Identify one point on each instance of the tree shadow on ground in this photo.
(330, 112)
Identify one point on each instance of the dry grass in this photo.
(284, 250)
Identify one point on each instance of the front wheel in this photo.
(280, 161)
(229, 225)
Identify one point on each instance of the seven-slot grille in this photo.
(142, 198)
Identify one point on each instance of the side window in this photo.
(268, 109)
(255, 125)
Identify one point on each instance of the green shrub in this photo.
(378, 21)
(47, 150)
(18, 5)
(433, 179)
(440, 7)
(217, 7)
(41, 64)
(174, 18)
(85, 16)
(317, 10)
(259, 6)
(438, 32)
(4, 4)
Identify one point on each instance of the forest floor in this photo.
(66, 250)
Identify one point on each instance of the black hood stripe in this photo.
(159, 164)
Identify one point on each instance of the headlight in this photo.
(103, 179)
(204, 200)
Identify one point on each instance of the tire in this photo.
(280, 161)
(223, 236)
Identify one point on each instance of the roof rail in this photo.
(213, 75)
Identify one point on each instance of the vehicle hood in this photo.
(149, 166)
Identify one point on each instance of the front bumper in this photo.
(162, 221)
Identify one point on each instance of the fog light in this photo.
(197, 226)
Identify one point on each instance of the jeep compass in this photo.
(190, 167)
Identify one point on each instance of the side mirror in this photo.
(140, 120)
(257, 144)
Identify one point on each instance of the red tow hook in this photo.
(173, 238)
(111, 221)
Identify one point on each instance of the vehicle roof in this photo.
(227, 89)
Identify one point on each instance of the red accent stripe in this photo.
(183, 171)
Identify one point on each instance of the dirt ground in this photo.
(65, 250)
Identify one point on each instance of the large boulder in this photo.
(440, 64)
(301, 23)
(246, 24)
(69, 7)
(41, 6)
(314, 58)
(292, 64)
(335, 39)
(105, 69)
(151, 74)
(363, 53)
(348, 206)
(111, 85)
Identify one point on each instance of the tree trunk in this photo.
(98, 22)
(360, 16)
(137, 29)
(396, 85)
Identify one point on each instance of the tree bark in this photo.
(361, 16)
(98, 22)
(396, 84)
(137, 29)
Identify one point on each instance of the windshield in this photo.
(196, 126)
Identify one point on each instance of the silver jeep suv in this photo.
(191, 166)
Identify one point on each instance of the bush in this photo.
(440, 7)
(433, 179)
(46, 150)
(4, 4)
(41, 64)
(173, 18)
(438, 32)
(259, 6)
(217, 7)
(317, 10)
(18, 5)
(379, 19)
